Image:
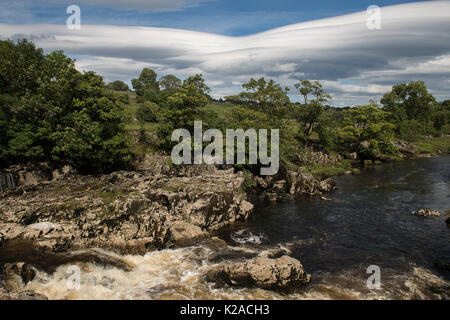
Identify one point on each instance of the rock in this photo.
(43, 226)
(352, 156)
(307, 184)
(263, 182)
(23, 295)
(284, 274)
(271, 196)
(215, 243)
(183, 234)
(318, 157)
(447, 221)
(127, 211)
(292, 180)
(327, 185)
(246, 207)
(426, 212)
(17, 275)
(403, 146)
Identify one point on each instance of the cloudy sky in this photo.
(230, 41)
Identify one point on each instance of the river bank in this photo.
(131, 214)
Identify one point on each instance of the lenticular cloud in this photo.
(353, 60)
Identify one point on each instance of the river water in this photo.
(367, 221)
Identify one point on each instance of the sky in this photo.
(230, 41)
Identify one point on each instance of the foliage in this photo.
(410, 101)
(146, 86)
(182, 108)
(367, 132)
(51, 112)
(268, 97)
(147, 112)
(118, 86)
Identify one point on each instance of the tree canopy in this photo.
(49, 111)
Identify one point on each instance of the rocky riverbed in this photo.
(55, 213)
(164, 232)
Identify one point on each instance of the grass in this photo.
(432, 144)
(324, 172)
(222, 109)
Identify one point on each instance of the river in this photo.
(367, 221)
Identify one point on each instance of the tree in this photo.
(169, 83)
(182, 108)
(146, 86)
(320, 95)
(268, 97)
(311, 111)
(305, 87)
(118, 86)
(441, 117)
(367, 131)
(410, 101)
(57, 114)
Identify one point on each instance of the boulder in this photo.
(426, 212)
(327, 185)
(183, 234)
(17, 275)
(284, 274)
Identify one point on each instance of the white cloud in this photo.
(413, 44)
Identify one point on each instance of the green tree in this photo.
(311, 112)
(169, 83)
(441, 117)
(118, 86)
(182, 108)
(56, 113)
(265, 96)
(410, 101)
(146, 86)
(367, 131)
(305, 87)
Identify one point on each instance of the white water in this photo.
(178, 274)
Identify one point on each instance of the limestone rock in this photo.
(184, 234)
(426, 212)
(126, 211)
(327, 185)
(281, 274)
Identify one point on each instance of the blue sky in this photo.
(230, 41)
(226, 17)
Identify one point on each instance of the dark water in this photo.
(368, 221)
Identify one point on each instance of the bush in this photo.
(147, 112)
